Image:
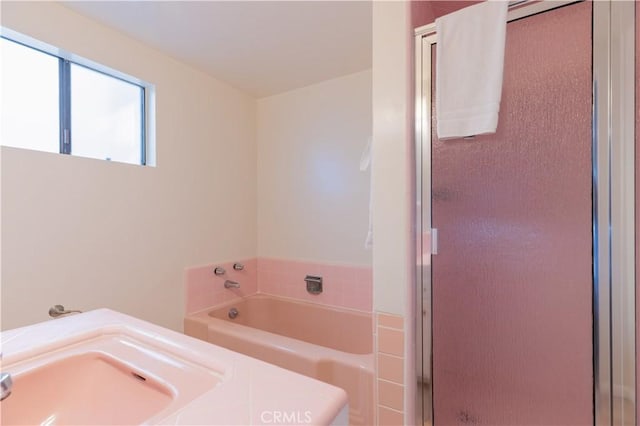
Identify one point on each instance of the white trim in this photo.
(69, 56)
(601, 220)
(622, 220)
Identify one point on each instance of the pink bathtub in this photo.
(329, 344)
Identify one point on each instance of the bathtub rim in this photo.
(364, 360)
(259, 295)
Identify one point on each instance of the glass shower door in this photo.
(512, 280)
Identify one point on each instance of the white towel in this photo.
(469, 66)
(365, 162)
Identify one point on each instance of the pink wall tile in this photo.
(390, 395)
(390, 363)
(390, 341)
(391, 368)
(388, 417)
(390, 321)
(343, 285)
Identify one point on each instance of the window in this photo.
(50, 103)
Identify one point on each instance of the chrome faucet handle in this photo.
(58, 310)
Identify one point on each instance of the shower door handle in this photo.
(434, 241)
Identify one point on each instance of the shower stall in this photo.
(526, 238)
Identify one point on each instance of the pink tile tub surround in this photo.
(390, 362)
(344, 286)
(204, 289)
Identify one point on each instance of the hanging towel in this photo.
(470, 60)
(365, 162)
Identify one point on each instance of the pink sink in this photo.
(104, 367)
(85, 389)
(104, 380)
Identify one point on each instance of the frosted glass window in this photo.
(30, 100)
(52, 104)
(98, 101)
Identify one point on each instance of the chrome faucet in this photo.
(5, 384)
(231, 284)
(58, 310)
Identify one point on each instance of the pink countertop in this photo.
(210, 385)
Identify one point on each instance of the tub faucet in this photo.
(5, 384)
(231, 284)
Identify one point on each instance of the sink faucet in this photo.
(231, 284)
(58, 310)
(5, 384)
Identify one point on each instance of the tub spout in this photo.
(231, 284)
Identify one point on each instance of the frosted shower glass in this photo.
(512, 280)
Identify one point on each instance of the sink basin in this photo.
(102, 379)
(91, 388)
(104, 367)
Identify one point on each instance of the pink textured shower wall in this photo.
(424, 12)
(204, 289)
(343, 285)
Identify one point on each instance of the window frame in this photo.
(65, 60)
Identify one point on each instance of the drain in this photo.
(139, 377)
(233, 313)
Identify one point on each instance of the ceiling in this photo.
(260, 47)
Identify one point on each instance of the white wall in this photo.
(87, 233)
(312, 196)
(393, 186)
(393, 159)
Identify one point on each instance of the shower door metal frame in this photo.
(613, 150)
